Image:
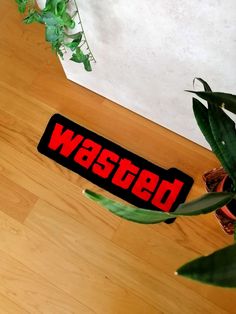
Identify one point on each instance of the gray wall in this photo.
(148, 53)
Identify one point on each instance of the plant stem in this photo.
(85, 38)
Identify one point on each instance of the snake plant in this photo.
(218, 268)
(59, 25)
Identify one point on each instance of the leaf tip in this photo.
(86, 192)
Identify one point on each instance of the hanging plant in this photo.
(59, 24)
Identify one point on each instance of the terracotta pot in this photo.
(217, 180)
(230, 208)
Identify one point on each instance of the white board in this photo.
(148, 53)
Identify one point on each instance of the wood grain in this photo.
(55, 189)
(15, 200)
(33, 292)
(61, 253)
(147, 282)
(70, 272)
(9, 307)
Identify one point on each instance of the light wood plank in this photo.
(24, 52)
(147, 244)
(55, 189)
(24, 138)
(25, 108)
(72, 256)
(9, 307)
(68, 271)
(124, 267)
(31, 291)
(15, 200)
(5, 6)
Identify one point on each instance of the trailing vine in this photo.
(58, 28)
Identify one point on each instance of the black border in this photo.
(106, 184)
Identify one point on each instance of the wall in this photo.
(148, 53)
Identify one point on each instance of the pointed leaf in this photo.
(56, 46)
(205, 84)
(202, 118)
(75, 42)
(143, 216)
(87, 64)
(224, 100)
(204, 204)
(78, 56)
(60, 7)
(218, 269)
(223, 130)
(34, 16)
(67, 20)
(57, 6)
(22, 4)
(75, 36)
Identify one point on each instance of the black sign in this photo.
(112, 167)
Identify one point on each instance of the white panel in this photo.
(148, 53)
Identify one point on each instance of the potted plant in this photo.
(221, 136)
(218, 268)
(59, 28)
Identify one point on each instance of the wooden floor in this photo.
(60, 253)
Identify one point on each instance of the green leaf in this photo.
(67, 20)
(205, 84)
(51, 33)
(33, 16)
(218, 268)
(57, 21)
(74, 44)
(87, 64)
(143, 216)
(22, 4)
(72, 24)
(204, 204)
(78, 56)
(22, 8)
(75, 36)
(223, 130)
(48, 6)
(202, 118)
(56, 47)
(58, 7)
(51, 19)
(224, 100)
(217, 127)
